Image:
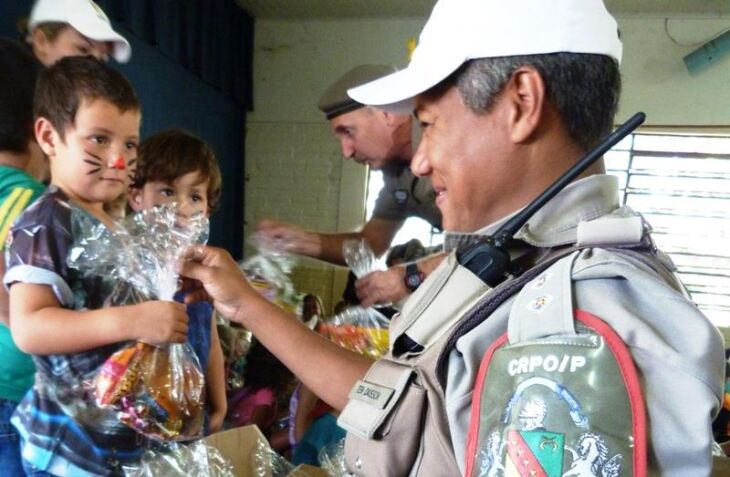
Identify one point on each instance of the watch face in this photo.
(414, 280)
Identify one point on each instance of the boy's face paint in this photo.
(95, 159)
(189, 192)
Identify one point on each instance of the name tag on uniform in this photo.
(372, 394)
(400, 196)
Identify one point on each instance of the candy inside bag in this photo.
(158, 391)
(363, 330)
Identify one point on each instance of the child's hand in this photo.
(160, 322)
(215, 419)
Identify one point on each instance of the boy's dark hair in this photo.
(62, 87)
(172, 153)
(18, 72)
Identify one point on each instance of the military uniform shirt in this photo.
(405, 195)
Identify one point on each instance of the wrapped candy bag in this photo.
(363, 330)
(268, 273)
(359, 257)
(267, 462)
(332, 459)
(182, 460)
(158, 391)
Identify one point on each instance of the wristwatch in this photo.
(414, 277)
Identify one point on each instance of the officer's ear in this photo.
(526, 95)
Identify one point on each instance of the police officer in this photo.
(509, 96)
(382, 141)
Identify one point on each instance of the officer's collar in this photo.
(556, 223)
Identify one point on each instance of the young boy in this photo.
(87, 123)
(175, 166)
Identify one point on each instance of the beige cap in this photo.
(335, 100)
(462, 30)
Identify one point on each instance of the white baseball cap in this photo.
(86, 17)
(462, 30)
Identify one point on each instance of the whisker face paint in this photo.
(95, 163)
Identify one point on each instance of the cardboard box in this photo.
(240, 446)
(720, 466)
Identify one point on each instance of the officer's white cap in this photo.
(462, 30)
(86, 17)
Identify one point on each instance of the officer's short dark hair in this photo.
(583, 87)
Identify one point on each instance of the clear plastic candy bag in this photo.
(268, 273)
(363, 330)
(332, 459)
(158, 391)
(359, 257)
(267, 462)
(182, 460)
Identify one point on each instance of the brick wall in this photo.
(293, 173)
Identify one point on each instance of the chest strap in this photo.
(505, 290)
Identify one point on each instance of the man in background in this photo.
(382, 141)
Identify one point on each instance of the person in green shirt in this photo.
(19, 155)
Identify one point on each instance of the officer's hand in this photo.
(289, 238)
(382, 287)
(216, 276)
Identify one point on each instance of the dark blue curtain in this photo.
(213, 39)
(191, 67)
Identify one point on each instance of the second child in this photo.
(176, 167)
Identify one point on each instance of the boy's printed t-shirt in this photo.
(17, 191)
(37, 248)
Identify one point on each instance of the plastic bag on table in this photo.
(332, 459)
(182, 460)
(363, 330)
(158, 391)
(267, 462)
(268, 272)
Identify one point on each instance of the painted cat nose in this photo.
(119, 163)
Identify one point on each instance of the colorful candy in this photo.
(157, 391)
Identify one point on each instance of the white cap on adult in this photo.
(86, 17)
(463, 30)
